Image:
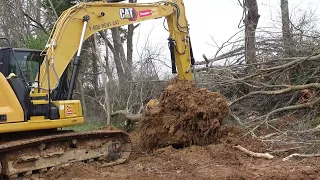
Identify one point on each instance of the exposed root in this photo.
(185, 115)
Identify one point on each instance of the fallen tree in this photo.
(279, 100)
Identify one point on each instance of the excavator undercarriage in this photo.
(39, 151)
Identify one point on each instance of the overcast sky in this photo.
(218, 19)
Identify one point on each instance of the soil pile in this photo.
(214, 162)
(185, 115)
(71, 171)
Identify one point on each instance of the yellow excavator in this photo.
(36, 88)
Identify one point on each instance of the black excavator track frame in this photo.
(22, 157)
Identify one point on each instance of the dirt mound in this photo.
(185, 115)
(214, 161)
(72, 171)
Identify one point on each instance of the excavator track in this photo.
(23, 157)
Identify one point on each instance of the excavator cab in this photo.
(20, 67)
(19, 101)
(24, 64)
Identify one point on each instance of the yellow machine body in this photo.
(9, 104)
(70, 112)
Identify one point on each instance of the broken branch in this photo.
(254, 154)
(300, 155)
(299, 106)
(281, 91)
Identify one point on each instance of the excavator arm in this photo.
(78, 23)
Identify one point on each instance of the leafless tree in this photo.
(286, 29)
(251, 22)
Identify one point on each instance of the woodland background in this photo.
(270, 77)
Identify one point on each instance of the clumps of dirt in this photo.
(233, 135)
(185, 115)
(213, 161)
(72, 171)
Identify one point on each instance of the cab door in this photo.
(4, 61)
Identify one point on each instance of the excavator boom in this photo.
(78, 23)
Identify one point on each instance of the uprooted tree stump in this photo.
(185, 115)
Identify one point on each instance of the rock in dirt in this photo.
(185, 115)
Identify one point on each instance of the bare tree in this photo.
(131, 28)
(117, 58)
(106, 102)
(286, 29)
(82, 96)
(251, 22)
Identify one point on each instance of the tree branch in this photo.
(281, 91)
(38, 23)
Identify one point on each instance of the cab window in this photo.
(29, 64)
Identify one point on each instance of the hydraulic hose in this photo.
(56, 75)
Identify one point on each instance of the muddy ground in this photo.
(214, 161)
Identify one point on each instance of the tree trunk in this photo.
(83, 100)
(130, 43)
(287, 39)
(130, 46)
(120, 51)
(286, 30)
(125, 62)
(95, 70)
(251, 22)
(38, 16)
(116, 53)
(106, 58)
(106, 106)
(108, 71)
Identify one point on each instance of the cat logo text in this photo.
(128, 13)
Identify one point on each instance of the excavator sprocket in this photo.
(23, 157)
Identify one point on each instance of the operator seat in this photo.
(22, 92)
